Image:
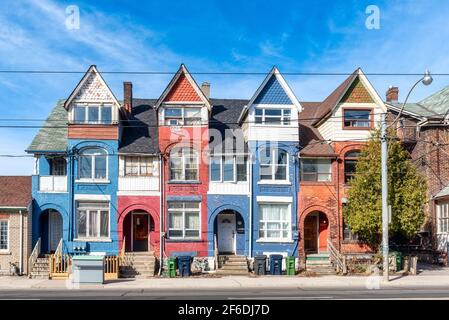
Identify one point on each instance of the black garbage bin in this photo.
(184, 263)
(276, 264)
(260, 264)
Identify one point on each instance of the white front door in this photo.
(54, 230)
(226, 232)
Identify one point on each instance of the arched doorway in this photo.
(50, 225)
(137, 226)
(229, 230)
(316, 232)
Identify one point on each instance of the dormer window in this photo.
(92, 114)
(271, 116)
(177, 116)
(357, 118)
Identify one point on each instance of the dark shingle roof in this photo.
(53, 134)
(15, 191)
(140, 134)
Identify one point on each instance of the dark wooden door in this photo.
(311, 234)
(140, 232)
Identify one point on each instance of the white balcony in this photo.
(138, 184)
(53, 183)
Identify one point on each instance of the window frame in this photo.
(353, 237)
(54, 165)
(281, 222)
(139, 166)
(440, 229)
(274, 166)
(183, 161)
(317, 173)
(97, 211)
(93, 164)
(184, 210)
(7, 234)
(284, 120)
(370, 120)
(86, 107)
(182, 120)
(346, 158)
(234, 168)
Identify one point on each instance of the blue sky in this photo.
(208, 36)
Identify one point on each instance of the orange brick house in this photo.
(332, 135)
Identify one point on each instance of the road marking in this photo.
(279, 298)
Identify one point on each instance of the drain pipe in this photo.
(21, 243)
(161, 214)
(250, 246)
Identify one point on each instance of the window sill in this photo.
(5, 253)
(274, 241)
(359, 128)
(93, 239)
(93, 181)
(184, 182)
(183, 240)
(352, 242)
(315, 183)
(274, 182)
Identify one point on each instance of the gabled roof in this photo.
(183, 80)
(92, 71)
(273, 90)
(437, 102)
(15, 191)
(52, 136)
(140, 132)
(330, 103)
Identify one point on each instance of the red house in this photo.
(183, 114)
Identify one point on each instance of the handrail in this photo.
(337, 258)
(58, 252)
(34, 255)
(122, 251)
(215, 252)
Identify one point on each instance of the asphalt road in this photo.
(231, 294)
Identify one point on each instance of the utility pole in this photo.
(384, 170)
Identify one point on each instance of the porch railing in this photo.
(122, 255)
(337, 259)
(111, 267)
(60, 263)
(53, 183)
(34, 255)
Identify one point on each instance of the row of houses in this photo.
(185, 173)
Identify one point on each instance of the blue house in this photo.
(76, 172)
(270, 126)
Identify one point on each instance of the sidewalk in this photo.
(427, 278)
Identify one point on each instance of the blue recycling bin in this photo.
(276, 264)
(184, 263)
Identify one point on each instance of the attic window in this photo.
(357, 118)
(176, 116)
(270, 116)
(92, 114)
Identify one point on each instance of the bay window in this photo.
(273, 164)
(318, 170)
(140, 166)
(183, 220)
(272, 116)
(92, 114)
(4, 235)
(274, 222)
(182, 115)
(443, 217)
(183, 164)
(92, 220)
(93, 164)
(228, 168)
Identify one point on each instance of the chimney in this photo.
(205, 87)
(392, 94)
(128, 96)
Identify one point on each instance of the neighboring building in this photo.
(424, 129)
(15, 223)
(332, 134)
(270, 127)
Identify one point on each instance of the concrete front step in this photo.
(39, 276)
(232, 272)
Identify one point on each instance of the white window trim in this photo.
(92, 173)
(439, 205)
(86, 115)
(8, 238)
(289, 238)
(273, 107)
(273, 171)
(154, 167)
(221, 180)
(184, 167)
(94, 239)
(182, 120)
(183, 210)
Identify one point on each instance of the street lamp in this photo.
(426, 80)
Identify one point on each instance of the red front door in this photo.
(140, 232)
(323, 232)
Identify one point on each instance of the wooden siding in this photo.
(105, 132)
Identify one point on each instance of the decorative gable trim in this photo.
(91, 71)
(273, 73)
(182, 71)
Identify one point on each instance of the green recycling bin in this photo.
(398, 260)
(172, 267)
(290, 265)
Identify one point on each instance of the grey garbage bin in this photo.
(276, 264)
(260, 264)
(88, 269)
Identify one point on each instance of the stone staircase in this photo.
(40, 268)
(138, 265)
(319, 263)
(232, 265)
